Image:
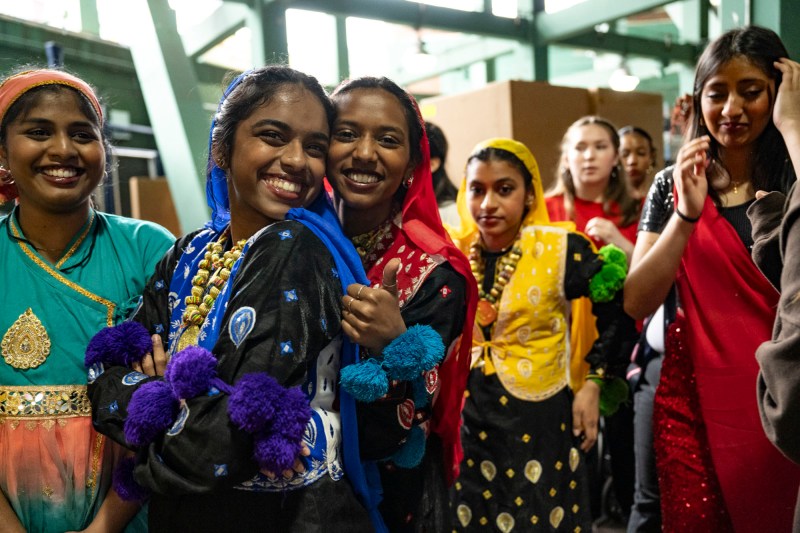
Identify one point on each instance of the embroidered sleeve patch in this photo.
(241, 324)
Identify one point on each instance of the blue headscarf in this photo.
(320, 217)
(216, 180)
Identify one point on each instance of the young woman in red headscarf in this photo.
(414, 321)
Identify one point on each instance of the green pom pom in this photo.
(614, 255)
(605, 284)
(613, 393)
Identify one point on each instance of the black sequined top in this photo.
(660, 204)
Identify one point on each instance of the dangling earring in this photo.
(615, 172)
(5, 176)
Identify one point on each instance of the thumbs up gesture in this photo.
(371, 317)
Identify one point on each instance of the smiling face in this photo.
(277, 159)
(736, 103)
(590, 155)
(369, 156)
(55, 153)
(637, 157)
(496, 196)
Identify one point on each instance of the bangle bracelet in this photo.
(690, 220)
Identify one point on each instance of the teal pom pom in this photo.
(420, 392)
(417, 350)
(613, 393)
(614, 255)
(365, 381)
(606, 283)
(412, 452)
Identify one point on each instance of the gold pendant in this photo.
(189, 337)
(485, 314)
(26, 343)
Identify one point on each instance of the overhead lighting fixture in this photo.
(420, 60)
(622, 80)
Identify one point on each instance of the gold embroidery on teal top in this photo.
(78, 241)
(110, 306)
(26, 343)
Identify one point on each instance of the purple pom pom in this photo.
(274, 452)
(123, 344)
(292, 414)
(252, 403)
(151, 411)
(190, 372)
(124, 483)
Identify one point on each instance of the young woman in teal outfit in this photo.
(67, 272)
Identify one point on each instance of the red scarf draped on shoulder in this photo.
(730, 308)
(422, 231)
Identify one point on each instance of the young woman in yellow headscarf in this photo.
(531, 408)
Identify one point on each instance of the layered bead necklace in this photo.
(486, 312)
(212, 274)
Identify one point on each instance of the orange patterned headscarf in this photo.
(17, 85)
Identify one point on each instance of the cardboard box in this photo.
(151, 200)
(536, 114)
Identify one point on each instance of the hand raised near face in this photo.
(690, 176)
(786, 113)
(371, 317)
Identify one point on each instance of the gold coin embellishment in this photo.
(556, 516)
(534, 295)
(505, 522)
(488, 470)
(26, 343)
(574, 459)
(533, 471)
(464, 515)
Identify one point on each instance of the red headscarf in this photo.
(422, 225)
(422, 230)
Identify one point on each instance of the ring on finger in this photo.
(358, 294)
(350, 305)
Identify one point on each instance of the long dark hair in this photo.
(257, 88)
(617, 190)
(761, 47)
(443, 188)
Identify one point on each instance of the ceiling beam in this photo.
(221, 24)
(581, 18)
(665, 51)
(423, 16)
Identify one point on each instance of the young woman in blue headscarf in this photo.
(244, 428)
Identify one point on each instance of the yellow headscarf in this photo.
(537, 214)
(583, 331)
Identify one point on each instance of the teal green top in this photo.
(54, 468)
(97, 283)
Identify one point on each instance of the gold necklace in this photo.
(366, 242)
(206, 287)
(486, 312)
